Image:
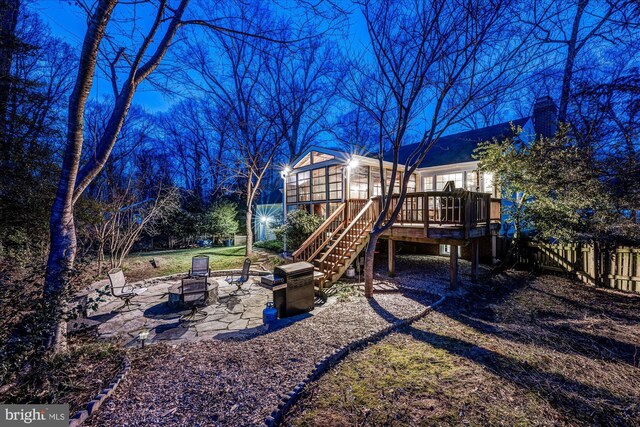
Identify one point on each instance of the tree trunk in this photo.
(8, 22)
(62, 254)
(249, 231)
(368, 263)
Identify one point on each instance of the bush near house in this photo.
(300, 225)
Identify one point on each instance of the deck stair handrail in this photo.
(311, 247)
(349, 242)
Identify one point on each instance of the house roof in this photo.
(458, 147)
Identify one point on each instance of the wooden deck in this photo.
(456, 218)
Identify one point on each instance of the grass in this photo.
(515, 351)
(138, 266)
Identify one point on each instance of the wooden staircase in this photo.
(339, 240)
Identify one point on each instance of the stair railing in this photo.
(318, 240)
(359, 226)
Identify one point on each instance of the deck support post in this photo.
(453, 267)
(475, 255)
(391, 258)
(494, 249)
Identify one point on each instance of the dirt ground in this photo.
(515, 350)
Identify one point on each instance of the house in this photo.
(450, 205)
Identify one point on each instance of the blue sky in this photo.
(68, 22)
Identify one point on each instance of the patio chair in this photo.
(193, 294)
(199, 266)
(242, 278)
(120, 289)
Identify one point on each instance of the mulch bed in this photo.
(514, 350)
(233, 383)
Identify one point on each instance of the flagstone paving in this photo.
(231, 314)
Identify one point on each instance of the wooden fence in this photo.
(616, 267)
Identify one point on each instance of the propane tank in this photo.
(269, 314)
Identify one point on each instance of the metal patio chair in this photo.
(199, 266)
(120, 289)
(241, 279)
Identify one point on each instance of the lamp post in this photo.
(143, 335)
(284, 174)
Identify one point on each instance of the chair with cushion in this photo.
(242, 278)
(199, 266)
(122, 290)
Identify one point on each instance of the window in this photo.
(319, 188)
(446, 250)
(472, 181)
(292, 194)
(305, 161)
(359, 183)
(427, 183)
(321, 157)
(335, 182)
(387, 181)
(411, 185)
(304, 187)
(375, 180)
(487, 178)
(441, 180)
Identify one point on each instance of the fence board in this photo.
(619, 267)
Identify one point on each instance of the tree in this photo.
(75, 177)
(244, 91)
(430, 60)
(576, 205)
(221, 220)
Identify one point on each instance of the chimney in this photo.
(545, 116)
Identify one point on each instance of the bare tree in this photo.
(591, 24)
(75, 177)
(431, 59)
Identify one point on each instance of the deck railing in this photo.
(348, 240)
(459, 208)
(319, 239)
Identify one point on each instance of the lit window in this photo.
(319, 188)
(472, 181)
(335, 182)
(427, 183)
(292, 194)
(441, 180)
(359, 183)
(487, 178)
(304, 187)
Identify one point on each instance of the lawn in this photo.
(138, 266)
(515, 351)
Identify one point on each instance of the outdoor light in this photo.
(353, 163)
(143, 335)
(285, 172)
(264, 219)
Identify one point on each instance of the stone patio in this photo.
(232, 315)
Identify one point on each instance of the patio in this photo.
(232, 316)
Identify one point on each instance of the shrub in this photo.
(221, 220)
(272, 245)
(300, 225)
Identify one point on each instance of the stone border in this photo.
(93, 405)
(334, 358)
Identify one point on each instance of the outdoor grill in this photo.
(292, 286)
